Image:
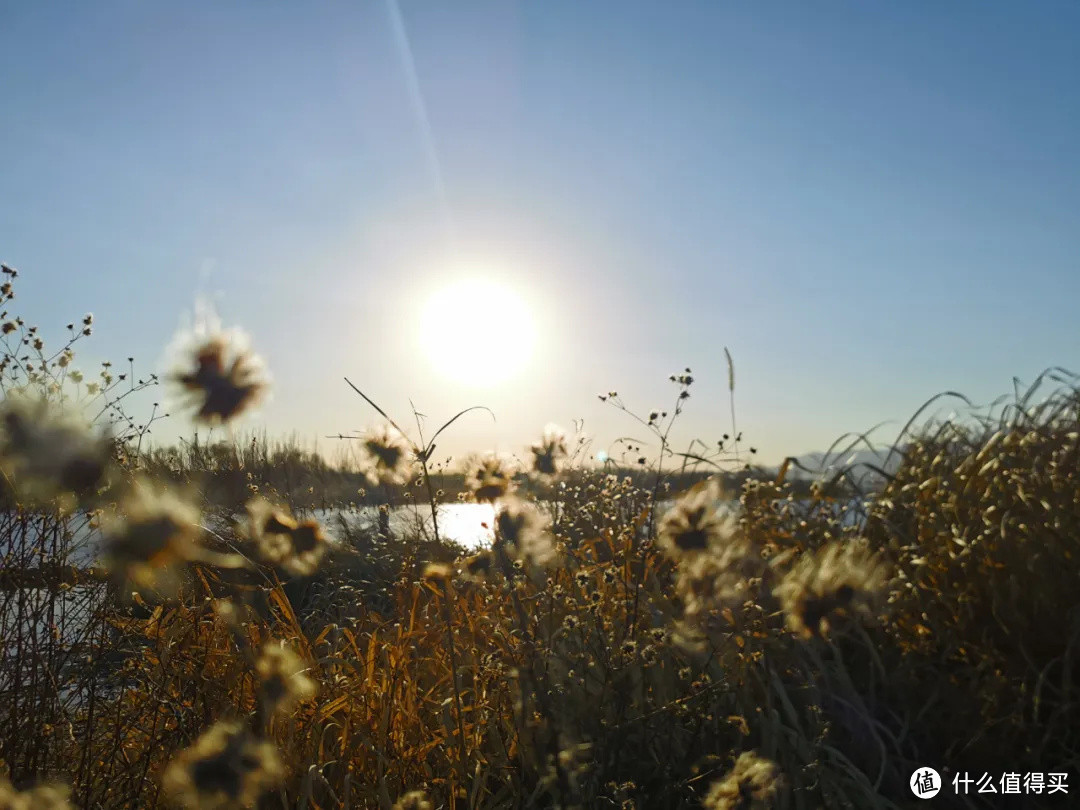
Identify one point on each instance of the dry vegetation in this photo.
(810, 652)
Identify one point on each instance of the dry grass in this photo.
(809, 654)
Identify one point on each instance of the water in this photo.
(466, 523)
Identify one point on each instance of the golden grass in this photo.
(812, 653)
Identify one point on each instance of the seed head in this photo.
(524, 532)
(282, 679)
(550, 452)
(488, 478)
(478, 565)
(298, 547)
(227, 767)
(753, 782)
(42, 797)
(837, 580)
(48, 453)
(694, 523)
(414, 800)
(719, 579)
(153, 533)
(385, 456)
(216, 372)
(438, 572)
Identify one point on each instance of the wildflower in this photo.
(282, 679)
(837, 580)
(218, 372)
(8, 327)
(550, 452)
(629, 647)
(49, 453)
(754, 781)
(385, 456)
(296, 546)
(524, 531)
(228, 766)
(42, 797)
(488, 478)
(694, 523)
(414, 800)
(153, 533)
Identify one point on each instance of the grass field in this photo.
(597, 655)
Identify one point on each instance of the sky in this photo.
(867, 203)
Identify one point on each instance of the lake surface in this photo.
(466, 523)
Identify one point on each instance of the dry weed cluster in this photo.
(221, 651)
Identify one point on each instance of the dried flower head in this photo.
(48, 453)
(478, 565)
(414, 800)
(283, 682)
(838, 580)
(42, 797)
(296, 546)
(524, 532)
(385, 456)
(150, 537)
(216, 372)
(753, 782)
(718, 581)
(550, 452)
(694, 523)
(488, 478)
(438, 572)
(227, 767)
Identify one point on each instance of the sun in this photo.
(477, 332)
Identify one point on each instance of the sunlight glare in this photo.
(477, 332)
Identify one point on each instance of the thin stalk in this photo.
(448, 619)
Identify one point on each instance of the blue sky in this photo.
(867, 202)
